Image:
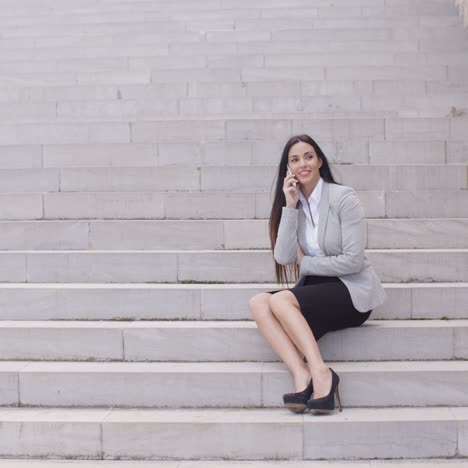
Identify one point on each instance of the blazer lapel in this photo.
(324, 206)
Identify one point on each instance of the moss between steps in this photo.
(201, 282)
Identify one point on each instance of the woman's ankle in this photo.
(301, 379)
(318, 372)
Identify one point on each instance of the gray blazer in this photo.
(341, 236)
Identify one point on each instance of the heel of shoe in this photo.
(337, 394)
(326, 404)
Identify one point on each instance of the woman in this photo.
(317, 232)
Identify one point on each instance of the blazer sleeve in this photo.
(353, 236)
(286, 241)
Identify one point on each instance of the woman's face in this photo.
(304, 163)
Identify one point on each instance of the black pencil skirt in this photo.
(326, 305)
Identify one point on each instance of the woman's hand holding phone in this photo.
(291, 190)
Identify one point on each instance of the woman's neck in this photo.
(308, 189)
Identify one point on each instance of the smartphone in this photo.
(290, 173)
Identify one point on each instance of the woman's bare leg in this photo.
(286, 309)
(278, 339)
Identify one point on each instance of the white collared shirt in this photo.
(311, 230)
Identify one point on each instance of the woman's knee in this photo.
(281, 301)
(259, 305)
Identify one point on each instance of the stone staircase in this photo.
(139, 141)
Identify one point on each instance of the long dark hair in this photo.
(285, 273)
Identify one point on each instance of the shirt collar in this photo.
(315, 195)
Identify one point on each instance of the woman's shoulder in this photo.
(343, 199)
(336, 192)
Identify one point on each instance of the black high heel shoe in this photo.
(297, 402)
(326, 404)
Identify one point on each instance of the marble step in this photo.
(250, 72)
(232, 179)
(406, 62)
(262, 107)
(88, 301)
(119, 52)
(237, 434)
(238, 107)
(227, 108)
(35, 156)
(245, 385)
(405, 463)
(410, 91)
(111, 14)
(212, 234)
(316, 16)
(196, 341)
(229, 130)
(19, 9)
(290, 31)
(226, 42)
(347, 9)
(238, 266)
(201, 109)
(206, 6)
(55, 47)
(234, 29)
(13, 65)
(214, 205)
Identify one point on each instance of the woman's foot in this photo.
(322, 379)
(326, 404)
(297, 402)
